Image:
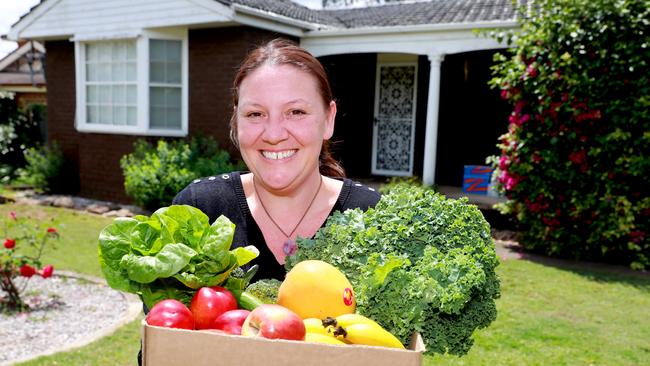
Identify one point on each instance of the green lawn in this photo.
(548, 314)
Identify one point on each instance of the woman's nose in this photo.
(275, 130)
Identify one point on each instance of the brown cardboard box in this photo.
(178, 347)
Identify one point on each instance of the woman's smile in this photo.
(278, 155)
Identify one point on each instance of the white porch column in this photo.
(431, 131)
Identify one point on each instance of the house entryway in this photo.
(394, 118)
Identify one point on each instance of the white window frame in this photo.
(142, 86)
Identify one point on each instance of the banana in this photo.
(371, 335)
(321, 338)
(346, 320)
(315, 325)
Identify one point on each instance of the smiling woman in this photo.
(283, 116)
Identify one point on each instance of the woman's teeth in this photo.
(276, 155)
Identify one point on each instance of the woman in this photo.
(283, 115)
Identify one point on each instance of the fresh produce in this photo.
(368, 334)
(315, 325)
(170, 254)
(171, 314)
(322, 338)
(209, 303)
(417, 261)
(265, 289)
(231, 321)
(316, 289)
(274, 321)
(347, 319)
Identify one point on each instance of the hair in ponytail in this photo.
(285, 52)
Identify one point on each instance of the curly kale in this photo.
(265, 289)
(418, 262)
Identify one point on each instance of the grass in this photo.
(559, 315)
(549, 313)
(76, 250)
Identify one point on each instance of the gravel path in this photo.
(66, 312)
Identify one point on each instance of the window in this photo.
(165, 85)
(111, 83)
(133, 86)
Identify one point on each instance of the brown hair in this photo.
(285, 52)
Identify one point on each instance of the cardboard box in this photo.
(174, 347)
(476, 179)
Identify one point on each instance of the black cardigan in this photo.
(224, 195)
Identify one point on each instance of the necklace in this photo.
(289, 246)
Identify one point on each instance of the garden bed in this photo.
(66, 311)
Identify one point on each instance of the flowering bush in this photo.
(576, 157)
(14, 265)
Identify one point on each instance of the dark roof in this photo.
(289, 9)
(396, 14)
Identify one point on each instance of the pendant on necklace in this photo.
(289, 247)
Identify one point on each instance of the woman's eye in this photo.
(253, 114)
(297, 112)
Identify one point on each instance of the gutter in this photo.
(418, 28)
(304, 25)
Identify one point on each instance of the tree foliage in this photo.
(576, 158)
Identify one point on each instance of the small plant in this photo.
(45, 168)
(153, 175)
(24, 265)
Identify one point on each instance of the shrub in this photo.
(153, 175)
(575, 159)
(46, 169)
(19, 130)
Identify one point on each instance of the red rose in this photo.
(47, 271)
(9, 243)
(27, 271)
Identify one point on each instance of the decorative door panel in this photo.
(394, 127)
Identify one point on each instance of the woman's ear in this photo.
(329, 122)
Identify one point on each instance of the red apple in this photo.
(172, 314)
(210, 302)
(274, 321)
(231, 321)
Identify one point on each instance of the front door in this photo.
(394, 124)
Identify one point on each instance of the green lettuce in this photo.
(169, 254)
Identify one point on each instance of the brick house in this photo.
(409, 77)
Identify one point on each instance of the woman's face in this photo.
(281, 124)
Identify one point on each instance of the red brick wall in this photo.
(214, 55)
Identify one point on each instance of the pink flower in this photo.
(27, 271)
(47, 271)
(524, 119)
(578, 157)
(503, 162)
(552, 222)
(531, 71)
(592, 114)
(509, 182)
(12, 215)
(10, 243)
(504, 94)
(519, 106)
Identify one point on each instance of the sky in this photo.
(10, 12)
